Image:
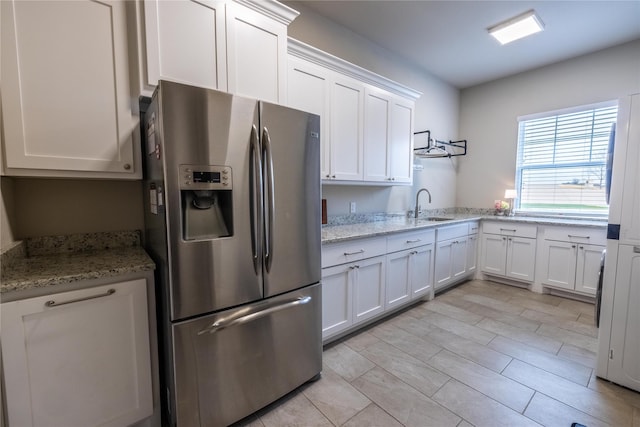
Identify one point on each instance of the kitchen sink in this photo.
(437, 218)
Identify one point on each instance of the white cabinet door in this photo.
(494, 254)
(443, 268)
(377, 133)
(559, 261)
(400, 151)
(82, 361)
(521, 256)
(368, 288)
(587, 268)
(398, 278)
(472, 250)
(459, 258)
(624, 364)
(185, 42)
(421, 271)
(630, 215)
(308, 89)
(66, 100)
(346, 121)
(256, 54)
(337, 299)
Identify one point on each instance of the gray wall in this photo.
(489, 112)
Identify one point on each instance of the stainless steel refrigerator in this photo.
(232, 214)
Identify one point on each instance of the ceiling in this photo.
(450, 40)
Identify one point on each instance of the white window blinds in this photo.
(561, 162)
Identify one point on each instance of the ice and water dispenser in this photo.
(206, 202)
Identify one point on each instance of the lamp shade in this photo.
(510, 194)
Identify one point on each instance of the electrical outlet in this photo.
(352, 207)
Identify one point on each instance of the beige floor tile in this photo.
(373, 416)
(587, 319)
(488, 289)
(572, 371)
(452, 311)
(251, 421)
(486, 381)
(457, 327)
(471, 350)
(588, 329)
(409, 369)
(346, 362)
(577, 306)
(402, 401)
(636, 417)
(578, 354)
(531, 304)
(361, 341)
(530, 338)
(412, 325)
(296, 411)
(569, 337)
(606, 408)
(415, 346)
(500, 316)
(464, 423)
(499, 305)
(607, 387)
(550, 412)
(477, 408)
(335, 398)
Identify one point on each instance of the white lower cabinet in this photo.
(409, 275)
(369, 281)
(78, 358)
(509, 250)
(571, 259)
(452, 258)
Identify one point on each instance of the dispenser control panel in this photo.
(209, 177)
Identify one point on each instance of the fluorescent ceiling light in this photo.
(516, 28)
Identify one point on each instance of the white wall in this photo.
(489, 112)
(436, 110)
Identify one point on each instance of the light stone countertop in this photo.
(58, 260)
(396, 223)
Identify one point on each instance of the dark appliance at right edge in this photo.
(619, 294)
(232, 220)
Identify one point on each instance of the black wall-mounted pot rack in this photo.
(437, 149)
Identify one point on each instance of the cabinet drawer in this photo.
(398, 242)
(510, 229)
(353, 250)
(593, 236)
(452, 231)
(474, 227)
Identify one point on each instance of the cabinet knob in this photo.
(126, 166)
(573, 246)
(328, 176)
(333, 176)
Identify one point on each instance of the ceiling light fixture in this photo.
(518, 27)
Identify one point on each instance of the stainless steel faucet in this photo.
(417, 211)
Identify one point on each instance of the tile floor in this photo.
(481, 354)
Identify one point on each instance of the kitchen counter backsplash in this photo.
(41, 262)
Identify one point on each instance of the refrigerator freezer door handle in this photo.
(269, 198)
(256, 200)
(221, 324)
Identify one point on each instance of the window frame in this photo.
(519, 168)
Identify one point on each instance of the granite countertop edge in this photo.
(51, 269)
(346, 232)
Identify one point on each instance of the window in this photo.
(561, 162)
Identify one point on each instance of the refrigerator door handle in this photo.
(256, 200)
(268, 197)
(224, 323)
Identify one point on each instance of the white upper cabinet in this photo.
(346, 141)
(234, 46)
(367, 119)
(66, 99)
(185, 42)
(308, 89)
